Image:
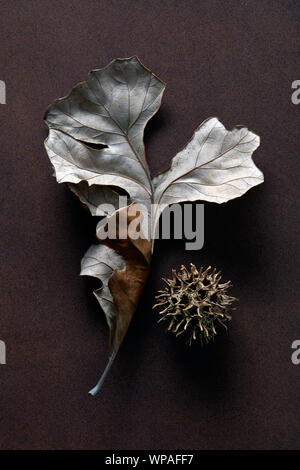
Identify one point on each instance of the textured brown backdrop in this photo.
(236, 60)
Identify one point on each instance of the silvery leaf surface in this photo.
(110, 109)
(101, 201)
(74, 162)
(100, 261)
(215, 166)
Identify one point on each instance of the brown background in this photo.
(235, 60)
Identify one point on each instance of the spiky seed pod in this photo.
(194, 303)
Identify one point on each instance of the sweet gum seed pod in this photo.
(194, 303)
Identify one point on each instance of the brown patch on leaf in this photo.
(126, 285)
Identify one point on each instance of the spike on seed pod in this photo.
(194, 303)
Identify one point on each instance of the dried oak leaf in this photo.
(95, 144)
(122, 264)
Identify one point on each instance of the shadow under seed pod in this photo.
(194, 303)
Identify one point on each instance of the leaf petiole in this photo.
(96, 389)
